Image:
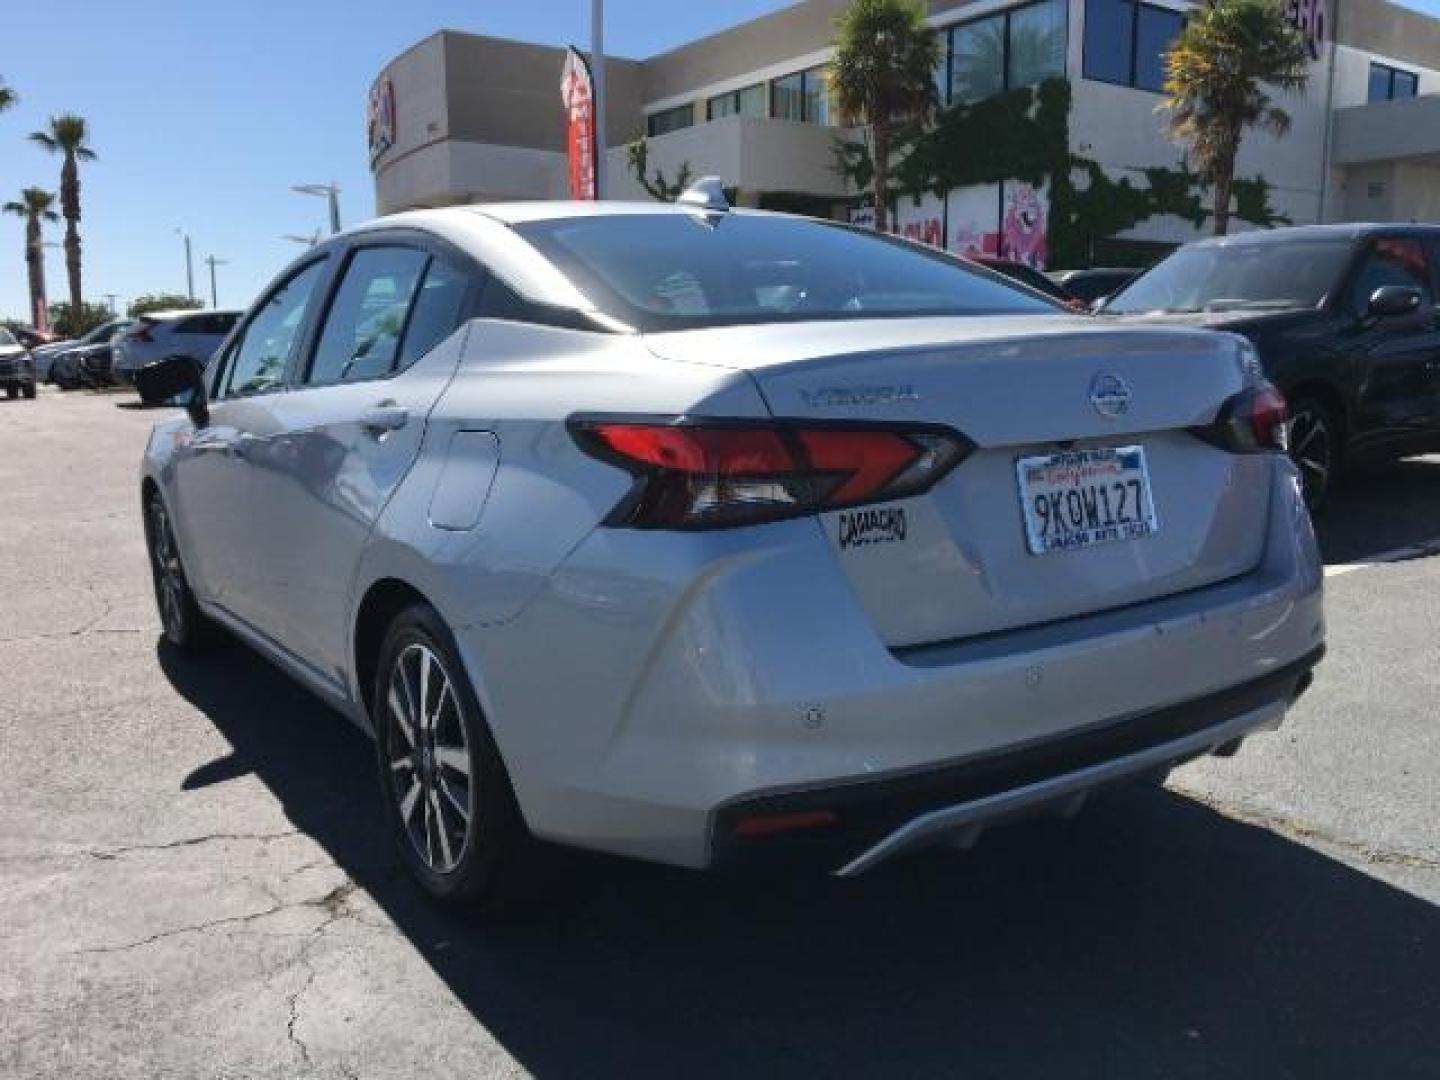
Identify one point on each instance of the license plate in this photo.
(1086, 497)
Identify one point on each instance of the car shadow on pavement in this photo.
(1382, 508)
(1151, 936)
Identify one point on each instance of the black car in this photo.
(17, 370)
(1344, 318)
(1028, 275)
(1089, 286)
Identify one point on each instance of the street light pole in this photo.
(189, 266)
(597, 75)
(213, 262)
(331, 193)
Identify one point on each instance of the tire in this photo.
(12, 392)
(30, 391)
(185, 625)
(446, 792)
(1316, 449)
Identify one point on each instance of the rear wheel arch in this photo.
(382, 602)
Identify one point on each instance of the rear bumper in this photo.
(653, 690)
(877, 819)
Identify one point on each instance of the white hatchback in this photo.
(702, 535)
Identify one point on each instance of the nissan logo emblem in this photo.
(1110, 396)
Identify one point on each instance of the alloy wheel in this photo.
(428, 753)
(1312, 447)
(169, 575)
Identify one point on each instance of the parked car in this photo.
(95, 364)
(1028, 275)
(196, 334)
(30, 337)
(1345, 321)
(17, 370)
(62, 367)
(1092, 286)
(703, 535)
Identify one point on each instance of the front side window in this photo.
(679, 271)
(361, 338)
(749, 101)
(258, 360)
(1391, 261)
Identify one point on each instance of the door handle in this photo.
(386, 416)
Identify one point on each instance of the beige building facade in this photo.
(464, 118)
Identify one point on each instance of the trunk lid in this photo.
(957, 561)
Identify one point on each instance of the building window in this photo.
(1388, 84)
(1002, 52)
(803, 97)
(1126, 42)
(749, 101)
(668, 120)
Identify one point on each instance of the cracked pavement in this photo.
(195, 881)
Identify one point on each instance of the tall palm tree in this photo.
(67, 135)
(1214, 76)
(35, 205)
(884, 76)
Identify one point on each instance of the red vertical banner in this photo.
(578, 92)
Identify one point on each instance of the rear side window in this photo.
(361, 338)
(1393, 260)
(257, 361)
(437, 311)
(684, 271)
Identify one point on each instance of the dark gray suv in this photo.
(17, 369)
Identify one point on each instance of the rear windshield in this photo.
(681, 271)
(1238, 277)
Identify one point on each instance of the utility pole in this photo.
(212, 262)
(330, 193)
(110, 299)
(189, 266)
(597, 75)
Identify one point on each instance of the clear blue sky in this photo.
(205, 113)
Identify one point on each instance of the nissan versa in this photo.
(701, 535)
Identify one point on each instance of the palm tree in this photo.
(67, 136)
(8, 97)
(1213, 85)
(884, 76)
(35, 206)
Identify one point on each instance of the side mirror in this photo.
(176, 380)
(1394, 302)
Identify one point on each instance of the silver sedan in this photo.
(702, 535)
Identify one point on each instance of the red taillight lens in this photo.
(715, 474)
(1252, 421)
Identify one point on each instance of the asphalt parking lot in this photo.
(195, 882)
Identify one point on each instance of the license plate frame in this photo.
(1104, 481)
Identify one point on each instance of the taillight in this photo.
(1252, 421)
(707, 474)
(139, 333)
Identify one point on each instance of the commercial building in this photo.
(1058, 155)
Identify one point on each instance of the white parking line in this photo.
(1414, 551)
